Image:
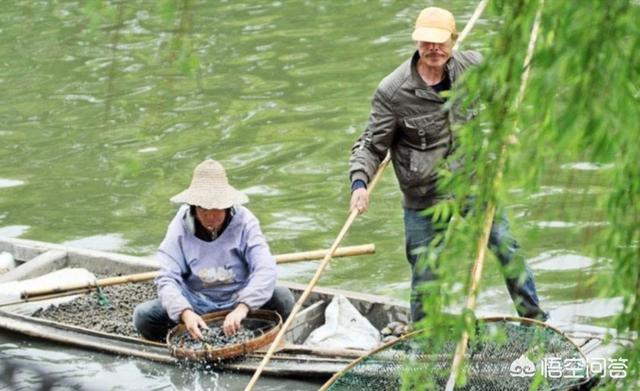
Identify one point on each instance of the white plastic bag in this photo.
(10, 291)
(344, 328)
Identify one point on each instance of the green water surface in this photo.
(106, 107)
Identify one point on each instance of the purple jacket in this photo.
(237, 267)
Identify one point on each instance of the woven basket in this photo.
(215, 319)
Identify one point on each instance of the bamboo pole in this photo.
(481, 247)
(319, 254)
(352, 216)
(319, 351)
(141, 277)
(47, 297)
(472, 21)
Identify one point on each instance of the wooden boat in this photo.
(292, 359)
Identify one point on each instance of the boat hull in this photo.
(293, 359)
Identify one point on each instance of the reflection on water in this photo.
(560, 260)
(10, 182)
(13, 231)
(568, 224)
(554, 191)
(261, 190)
(84, 370)
(148, 150)
(586, 166)
(581, 311)
(108, 242)
(290, 271)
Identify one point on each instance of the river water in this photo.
(106, 107)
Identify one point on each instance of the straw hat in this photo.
(210, 188)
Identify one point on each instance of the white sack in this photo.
(7, 262)
(10, 291)
(344, 328)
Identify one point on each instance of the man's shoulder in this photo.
(394, 80)
(467, 58)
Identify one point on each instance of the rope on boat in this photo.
(103, 300)
(476, 272)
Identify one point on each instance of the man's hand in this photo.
(232, 321)
(360, 200)
(193, 322)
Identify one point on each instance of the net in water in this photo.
(504, 354)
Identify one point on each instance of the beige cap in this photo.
(210, 188)
(435, 25)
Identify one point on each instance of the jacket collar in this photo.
(195, 227)
(421, 89)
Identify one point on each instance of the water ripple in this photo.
(567, 224)
(577, 311)
(13, 231)
(10, 183)
(105, 242)
(86, 98)
(560, 260)
(586, 166)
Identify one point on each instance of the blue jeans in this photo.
(420, 231)
(152, 321)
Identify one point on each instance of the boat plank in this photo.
(306, 321)
(25, 250)
(84, 338)
(318, 351)
(282, 365)
(46, 262)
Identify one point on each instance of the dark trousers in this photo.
(420, 231)
(152, 321)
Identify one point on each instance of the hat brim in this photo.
(430, 34)
(225, 199)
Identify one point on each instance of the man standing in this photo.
(409, 118)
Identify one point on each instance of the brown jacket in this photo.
(410, 119)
